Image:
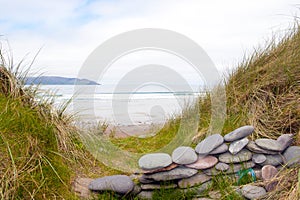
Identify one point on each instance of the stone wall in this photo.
(192, 169)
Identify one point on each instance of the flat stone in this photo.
(157, 186)
(274, 160)
(144, 179)
(242, 156)
(256, 149)
(177, 173)
(259, 158)
(222, 166)
(268, 173)
(81, 187)
(233, 168)
(253, 192)
(239, 133)
(194, 180)
(268, 144)
(118, 183)
(155, 161)
(220, 149)
(172, 166)
(292, 156)
(184, 155)
(238, 145)
(145, 195)
(204, 162)
(209, 144)
(198, 190)
(285, 141)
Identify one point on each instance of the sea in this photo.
(149, 104)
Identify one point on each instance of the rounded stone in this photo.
(239, 133)
(285, 141)
(222, 166)
(274, 160)
(253, 192)
(238, 145)
(209, 144)
(204, 162)
(242, 156)
(256, 149)
(268, 144)
(268, 172)
(184, 155)
(155, 161)
(292, 156)
(259, 158)
(220, 149)
(118, 183)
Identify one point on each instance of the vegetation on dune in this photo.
(264, 91)
(40, 150)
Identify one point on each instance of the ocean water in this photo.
(124, 106)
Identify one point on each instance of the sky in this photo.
(67, 31)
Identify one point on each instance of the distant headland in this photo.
(57, 80)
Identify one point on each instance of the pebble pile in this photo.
(192, 169)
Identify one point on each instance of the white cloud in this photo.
(70, 30)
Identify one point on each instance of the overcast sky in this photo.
(69, 30)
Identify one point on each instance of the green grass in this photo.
(31, 166)
(263, 91)
(40, 150)
(150, 144)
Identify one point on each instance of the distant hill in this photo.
(56, 80)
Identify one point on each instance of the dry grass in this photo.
(265, 89)
(40, 149)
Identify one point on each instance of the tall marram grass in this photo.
(263, 91)
(40, 149)
(37, 143)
